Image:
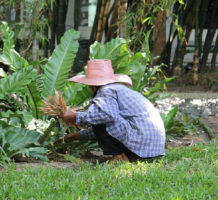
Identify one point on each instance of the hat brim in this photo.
(118, 78)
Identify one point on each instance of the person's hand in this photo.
(69, 116)
(71, 136)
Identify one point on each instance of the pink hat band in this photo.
(100, 72)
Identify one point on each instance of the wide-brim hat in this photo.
(100, 72)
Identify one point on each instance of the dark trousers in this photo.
(112, 146)
(109, 144)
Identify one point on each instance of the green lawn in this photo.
(185, 173)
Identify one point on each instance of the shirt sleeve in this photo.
(87, 133)
(103, 109)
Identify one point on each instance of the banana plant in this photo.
(77, 94)
(55, 71)
(60, 63)
(25, 81)
(20, 141)
(133, 64)
(24, 74)
(9, 55)
(110, 50)
(123, 61)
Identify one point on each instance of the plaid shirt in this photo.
(129, 117)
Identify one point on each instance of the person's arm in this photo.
(103, 109)
(82, 134)
(72, 136)
(87, 133)
(69, 116)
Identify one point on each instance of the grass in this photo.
(185, 173)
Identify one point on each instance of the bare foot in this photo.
(119, 157)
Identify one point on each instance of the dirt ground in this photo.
(207, 82)
(198, 91)
(180, 87)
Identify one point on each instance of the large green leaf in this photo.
(168, 119)
(158, 86)
(137, 75)
(34, 90)
(60, 63)
(77, 94)
(35, 101)
(15, 141)
(17, 81)
(110, 50)
(14, 60)
(10, 118)
(10, 56)
(138, 64)
(7, 37)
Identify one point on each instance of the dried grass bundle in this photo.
(55, 106)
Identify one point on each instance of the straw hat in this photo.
(100, 72)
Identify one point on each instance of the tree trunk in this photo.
(100, 21)
(104, 19)
(209, 38)
(53, 26)
(177, 61)
(159, 35)
(121, 22)
(202, 16)
(46, 35)
(215, 52)
(165, 55)
(62, 11)
(112, 29)
(196, 52)
(76, 15)
(188, 25)
(186, 39)
(95, 25)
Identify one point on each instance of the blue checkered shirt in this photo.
(129, 117)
